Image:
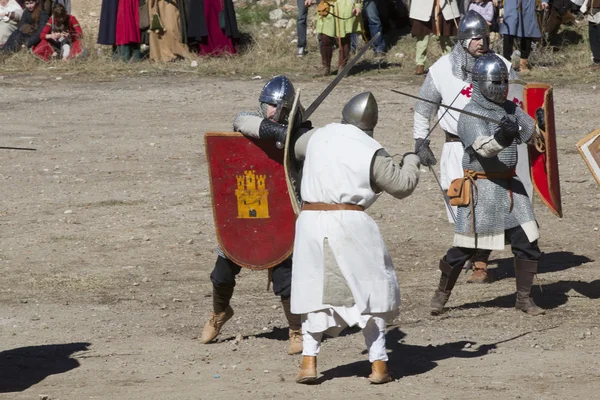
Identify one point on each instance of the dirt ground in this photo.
(107, 243)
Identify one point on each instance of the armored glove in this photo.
(272, 131)
(541, 120)
(424, 152)
(509, 131)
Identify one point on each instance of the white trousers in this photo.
(374, 333)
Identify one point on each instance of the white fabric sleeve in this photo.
(421, 126)
(248, 125)
(486, 146)
(399, 181)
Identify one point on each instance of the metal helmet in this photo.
(362, 112)
(473, 26)
(491, 74)
(279, 92)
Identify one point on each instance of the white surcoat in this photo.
(341, 264)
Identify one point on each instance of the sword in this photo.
(17, 148)
(483, 117)
(317, 102)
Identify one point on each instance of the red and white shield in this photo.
(544, 157)
(254, 219)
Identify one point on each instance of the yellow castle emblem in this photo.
(252, 196)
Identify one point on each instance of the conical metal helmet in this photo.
(473, 26)
(491, 74)
(280, 92)
(362, 112)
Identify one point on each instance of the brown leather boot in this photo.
(525, 270)
(344, 54)
(308, 370)
(326, 55)
(213, 327)
(295, 323)
(447, 281)
(479, 274)
(222, 313)
(524, 65)
(379, 373)
(420, 70)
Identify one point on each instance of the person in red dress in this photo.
(60, 37)
(212, 26)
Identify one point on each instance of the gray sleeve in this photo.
(302, 144)
(248, 124)
(399, 181)
(425, 111)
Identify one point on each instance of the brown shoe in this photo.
(479, 274)
(308, 370)
(420, 70)
(525, 271)
(295, 342)
(213, 327)
(379, 373)
(524, 65)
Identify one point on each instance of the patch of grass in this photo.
(252, 14)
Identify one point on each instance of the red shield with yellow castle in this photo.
(254, 219)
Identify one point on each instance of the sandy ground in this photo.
(108, 242)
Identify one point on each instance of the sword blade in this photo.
(488, 119)
(337, 79)
(17, 148)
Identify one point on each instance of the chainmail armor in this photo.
(491, 198)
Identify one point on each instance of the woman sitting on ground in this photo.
(61, 37)
(27, 34)
(10, 14)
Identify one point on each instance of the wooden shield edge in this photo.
(558, 210)
(286, 155)
(587, 138)
(286, 255)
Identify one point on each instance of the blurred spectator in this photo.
(337, 22)
(33, 20)
(437, 17)
(485, 8)
(120, 28)
(592, 9)
(303, 6)
(10, 14)
(61, 37)
(204, 27)
(166, 36)
(520, 22)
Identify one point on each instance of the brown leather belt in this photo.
(331, 207)
(451, 138)
(507, 176)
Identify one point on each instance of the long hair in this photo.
(60, 18)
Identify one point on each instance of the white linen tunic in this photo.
(342, 270)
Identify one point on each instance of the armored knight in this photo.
(449, 82)
(343, 274)
(268, 123)
(498, 209)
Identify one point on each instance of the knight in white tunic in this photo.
(449, 82)
(497, 210)
(343, 274)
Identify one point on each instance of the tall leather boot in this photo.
(308, 370)
(524, 65)
(326, 55)
(480, 274)
(295, 323)
(447, 281)
(222, 313)
(344, 54)
(525, 270)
